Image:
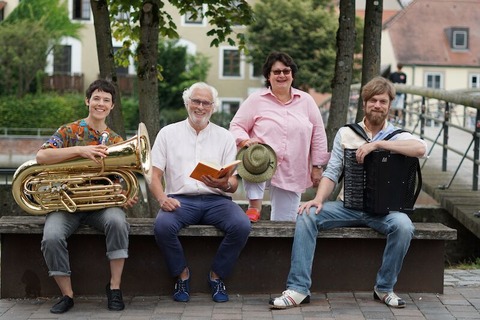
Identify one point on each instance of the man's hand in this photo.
(169, 204)
(364, 150)
(305, 207)
(220, 183)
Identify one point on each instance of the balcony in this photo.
(74, 83)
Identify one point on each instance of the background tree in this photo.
(342, 80)
(303, 29)
(144, 22)
(179, 71)
(372, 36)
(103, 38)
(27, 35)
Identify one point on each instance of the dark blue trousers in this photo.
(216, 210)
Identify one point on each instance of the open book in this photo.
(215, 171)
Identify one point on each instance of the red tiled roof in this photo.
(418, 33)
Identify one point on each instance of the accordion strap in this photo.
(359, 130)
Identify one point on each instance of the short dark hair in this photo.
(274, 57)
(102, 85)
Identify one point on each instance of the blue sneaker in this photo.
(182, 290)
(219, 292)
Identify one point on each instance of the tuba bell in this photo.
(82, 184)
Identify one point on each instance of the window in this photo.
(81, 9)
(120, 69)
(457, 37)
(62, 59)
(2, 12)
(434, 80)
(256, 70)
(231, 64)
(230, 106)
(194, 17)
(474, 81)
(460, 40)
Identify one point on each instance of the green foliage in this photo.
(305, 30)
(52, 14)
(180, 70)
(130, 112)
(168, 116)
(221, 14)
(41, 111)
(23, 55)
(27, 35)
(467, 265)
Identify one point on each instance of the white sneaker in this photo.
(389, 298)
(289, 299)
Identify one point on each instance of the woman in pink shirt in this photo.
(289, 121)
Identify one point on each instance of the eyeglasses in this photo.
(285, 72)
(198, 102)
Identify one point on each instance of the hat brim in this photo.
(257, 178)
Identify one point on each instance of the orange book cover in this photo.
(215, 171)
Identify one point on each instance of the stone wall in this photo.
(16, 150)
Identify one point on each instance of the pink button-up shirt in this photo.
(294, 130)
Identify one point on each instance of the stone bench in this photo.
(346, 259)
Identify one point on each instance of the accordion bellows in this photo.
(385, 182)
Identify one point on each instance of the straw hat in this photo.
(259, 162)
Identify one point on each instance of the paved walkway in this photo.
(460, 300)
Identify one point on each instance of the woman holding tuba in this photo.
(86, 138)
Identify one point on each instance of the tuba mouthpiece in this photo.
(104, 137)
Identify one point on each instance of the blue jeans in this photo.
(216, 210)
(397, 226)
(60, 225)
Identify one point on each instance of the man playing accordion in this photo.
(320, 214)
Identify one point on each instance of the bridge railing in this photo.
(446, 110)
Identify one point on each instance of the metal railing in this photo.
(425, 107)
(445, 110)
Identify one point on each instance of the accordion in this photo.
(384, 182)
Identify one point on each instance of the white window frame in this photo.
(76, 67)
(131, 61)
(455, 35)
(471, 83)
(71, 9)
(224, 101)
(221, 63)
(187, 23)
(434, 74)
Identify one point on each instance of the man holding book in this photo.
(185, 201)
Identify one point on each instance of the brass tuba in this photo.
(82, 184)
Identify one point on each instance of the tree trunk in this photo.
(148, 77)
(343, 70)
(106, 62)
(372, 38)
(103, 35)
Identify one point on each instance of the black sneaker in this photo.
(62, 306)
(115, 299)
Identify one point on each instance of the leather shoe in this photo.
(115, 299)
(62, 306)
